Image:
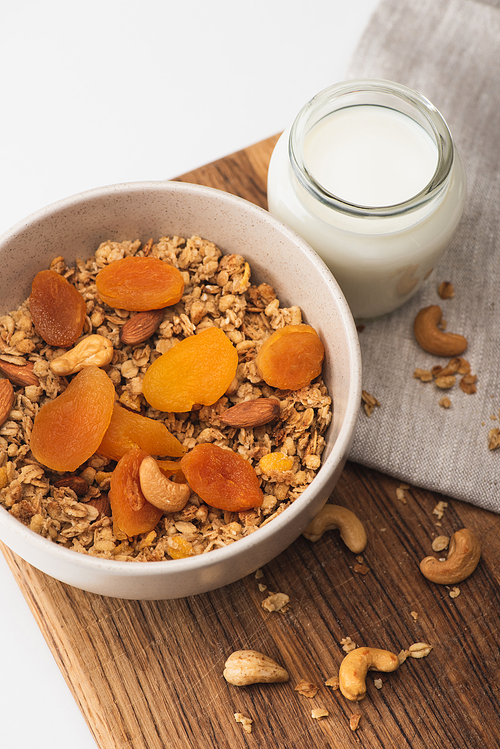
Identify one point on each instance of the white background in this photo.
(106, 91)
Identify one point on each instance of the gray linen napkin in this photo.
(449, 50)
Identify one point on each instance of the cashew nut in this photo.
(357, 663)
(251, 667)
(463, 557)
(94, 349)
(352, 531)
(159, 490)
(432, 339)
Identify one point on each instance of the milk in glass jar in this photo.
(369, 176)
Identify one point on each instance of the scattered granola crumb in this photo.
(454, 592)
(439, 509)
(259, 574)
(444, 377)
(440, 543)
(354, 721)
(423, 374)
(402, 656)
(276, 602)
(369, 402)
(262, 587)
(319, 712)
(348, 644)
(467, 384)
(307, 689)
(494, 438)
(414, 615)
(383, 530)
(361, 569)
(400, 493)
(332, 682)
(359, 559)
(378, 683)
(493, 417)
(419, 650)
(446, 290)
(464, 366)
(446, 382)
(245, 721)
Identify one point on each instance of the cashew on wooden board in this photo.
(355, 666)
(245, 667)
(464, 553)
(330, 517)
(432, 339)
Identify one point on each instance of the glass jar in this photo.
(369, 176)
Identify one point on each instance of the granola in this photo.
(218, 292)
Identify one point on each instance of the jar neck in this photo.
(378, 93)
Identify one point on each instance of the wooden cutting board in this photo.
(148, 675)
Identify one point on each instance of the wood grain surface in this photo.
(148, 675)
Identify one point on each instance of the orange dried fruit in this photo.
(179, 548)
(172, 470)
(127, 430)
(140, 284)
(275, 462)
(197, 370)
(68, 430)
(222, 478)
(291, 357)
(57, 309)
(131, 511)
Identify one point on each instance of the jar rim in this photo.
(364, 91)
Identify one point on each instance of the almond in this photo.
(251, 413)
(141, 326)
(19, 374)
(77, 483)
(6, 399)
(102, 505)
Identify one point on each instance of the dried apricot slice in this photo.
(127, 430)
(57, 309)
(197, 370)
(172, 470)
(131, 511)
(140, 284)
(291, 357)
(69, 429)
(222, 478)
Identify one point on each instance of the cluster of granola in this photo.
(218, 293)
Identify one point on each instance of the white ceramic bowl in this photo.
(74, 227)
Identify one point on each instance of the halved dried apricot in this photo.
(222, 478)
(131, 511)
(197, 370)
(69, 429)
(139, 284)
(291, 357)
(172, 470)
(127, 430)
(57, 309)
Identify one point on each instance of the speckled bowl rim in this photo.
(340, 448)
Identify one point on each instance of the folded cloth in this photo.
(450, 52)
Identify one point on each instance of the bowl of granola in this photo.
(180, 379)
